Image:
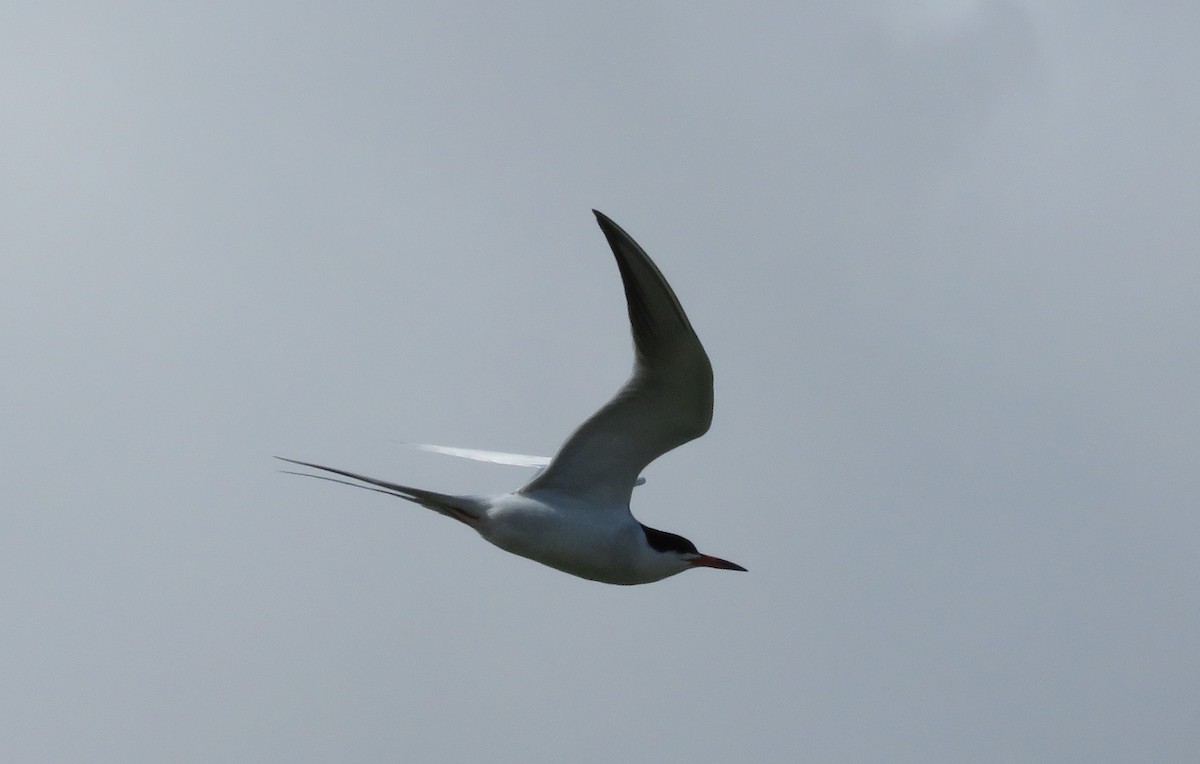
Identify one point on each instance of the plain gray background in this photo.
(943, 256)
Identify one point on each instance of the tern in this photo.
(574, 514)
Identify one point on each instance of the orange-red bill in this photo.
(708, 561)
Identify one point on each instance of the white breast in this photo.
(599, 544)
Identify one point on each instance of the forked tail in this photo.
(465, 509)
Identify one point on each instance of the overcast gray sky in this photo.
(944, 257)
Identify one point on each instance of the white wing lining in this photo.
(493, 457)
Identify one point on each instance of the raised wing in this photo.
(667, 401)
(479, 455)
(494, 457)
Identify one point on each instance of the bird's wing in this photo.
(667, 401)
(479, 455)
(495, 457)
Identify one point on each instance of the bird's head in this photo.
(684, 552)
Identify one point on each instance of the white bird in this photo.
(574, 515)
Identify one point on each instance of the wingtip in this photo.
(613, 232)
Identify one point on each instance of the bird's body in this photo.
(601, 544)
(574, 515)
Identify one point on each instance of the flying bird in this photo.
(574, 514)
